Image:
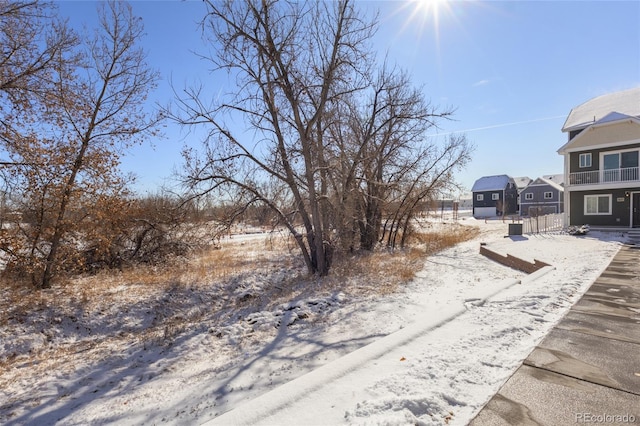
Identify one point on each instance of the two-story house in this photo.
(544, 195)
(601, 160)
(494, 196)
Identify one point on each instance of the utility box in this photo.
(515, 229)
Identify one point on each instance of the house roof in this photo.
(491, 183)
(609, 107)
(554, 181)
(613, 116)
(522, 181)
(559, 178)
(551, 183)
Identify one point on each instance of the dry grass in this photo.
(438, 240)
(380, 272)
(186, 292)
(384, 271)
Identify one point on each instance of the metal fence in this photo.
(542, 224)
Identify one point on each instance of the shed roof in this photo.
(624, 103)
(491, 183)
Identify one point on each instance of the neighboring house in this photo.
(542, 196)
(494, 196)
(602, 183)
(521, 183)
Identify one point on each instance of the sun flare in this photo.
(428, 11)
(428, 6)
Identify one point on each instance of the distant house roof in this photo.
(491, 183)
(559, 179)
(609, 107)
(522, 182)
(551, 183)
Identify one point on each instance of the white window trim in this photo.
(609, 196)
(495, 196)
(585, 155)
(619, 152)
(528, 196)
(479, 197)
(548, 195)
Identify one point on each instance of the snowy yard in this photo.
(431, 353)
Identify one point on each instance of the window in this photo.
(620, 166)
(585, 160)
(495, 196)
(611, 163)
(628, 159)
(480, 197)
(548, 195)
(528, 196)
(597, 204)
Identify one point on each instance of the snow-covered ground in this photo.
(432, 353)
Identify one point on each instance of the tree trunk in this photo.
(49, 266)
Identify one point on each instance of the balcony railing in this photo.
(628, 174)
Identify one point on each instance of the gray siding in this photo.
(538, 205)
(507, 197)
(574, 158)
(620, 208)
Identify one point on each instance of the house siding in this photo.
(555, 204)
(620, 208)
(487, 201)
(615, 128)
(574, 157)
(507, 195)
(510, 203)
(574, 133)
(609, 134)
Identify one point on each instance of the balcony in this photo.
(596, 177)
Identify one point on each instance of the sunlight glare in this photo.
(425, 11)
(426, 21)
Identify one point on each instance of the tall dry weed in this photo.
(183, 292)
(437, 240)
(383, 271)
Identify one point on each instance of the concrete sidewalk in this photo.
(587, 369)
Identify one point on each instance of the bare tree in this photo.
(293, 62)
(430, 173)
(32, 42)
(387, 164)
(339, 155)
(94, 111)
(32, 39)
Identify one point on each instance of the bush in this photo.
(115, 232)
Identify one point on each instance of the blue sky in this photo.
(513, 70)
